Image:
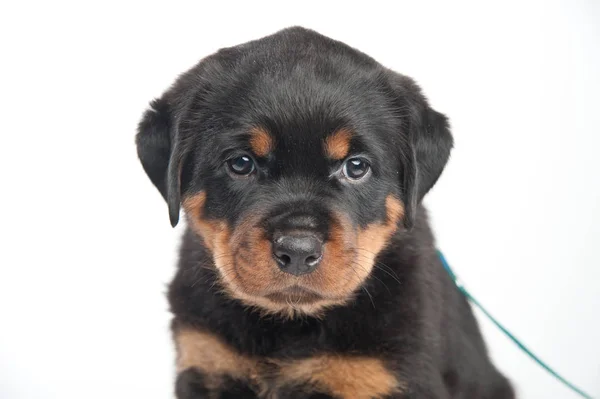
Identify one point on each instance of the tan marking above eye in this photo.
(337, 145)
(261, 142)
(352, 377)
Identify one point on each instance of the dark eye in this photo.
(356, 168)
(242, 166)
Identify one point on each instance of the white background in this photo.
(86, 246)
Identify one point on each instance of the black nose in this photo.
(297, 254)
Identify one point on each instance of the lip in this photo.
(295, 295)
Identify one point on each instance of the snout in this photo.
(293, 258)
(298, 253)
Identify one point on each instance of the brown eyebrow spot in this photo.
(337, 145)
(261, 142)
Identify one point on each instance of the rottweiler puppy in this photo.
(308, 268)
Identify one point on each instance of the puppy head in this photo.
(296, 158)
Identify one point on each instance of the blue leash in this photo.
(474, 301)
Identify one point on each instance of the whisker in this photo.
(362, 286)
(381, 266)
(370, 297)
(394, 276)
(375, 277)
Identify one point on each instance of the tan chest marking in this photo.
(209, 354)
(345, 377)
(353, 377)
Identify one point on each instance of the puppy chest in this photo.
(340, 376)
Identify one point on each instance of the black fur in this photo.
(303, 86)
(191, 384)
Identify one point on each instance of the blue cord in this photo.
(508, 333)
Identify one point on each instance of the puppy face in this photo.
(296, 160)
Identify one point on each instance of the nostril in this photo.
(312, 260)
(284, 259)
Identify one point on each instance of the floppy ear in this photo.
(427, 148)
(160, 152)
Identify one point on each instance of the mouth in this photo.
(295, 295)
